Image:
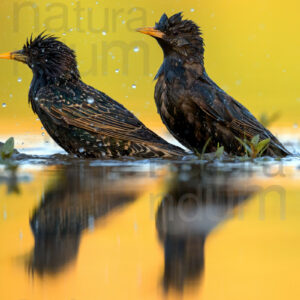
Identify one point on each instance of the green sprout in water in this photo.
(220, 151)
(204, 148)
(254, 148)
(6, 159)
(6, 152)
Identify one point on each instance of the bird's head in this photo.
(46, 55)
(176, 35)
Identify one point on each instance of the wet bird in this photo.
(81, 119)
(193, 108)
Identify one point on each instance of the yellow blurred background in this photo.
(252, 51)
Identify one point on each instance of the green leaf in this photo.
(219, 152)
(255, 140)
(204, 148)
(262, 146)
(244, 144)
(8, 148)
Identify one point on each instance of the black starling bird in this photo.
(191, 105)
(81, 119)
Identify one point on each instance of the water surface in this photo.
(150, 229)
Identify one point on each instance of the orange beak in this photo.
(7, 55)
(17, 55)
(152, 32)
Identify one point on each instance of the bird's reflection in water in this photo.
(79, 196)
(198, 199)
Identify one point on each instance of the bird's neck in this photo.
(179, 65)
(42, 79)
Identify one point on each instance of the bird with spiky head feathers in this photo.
(195, 110)
(82, 120)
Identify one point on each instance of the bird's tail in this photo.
(169, 151)
(277, 151)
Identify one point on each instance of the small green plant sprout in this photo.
(254, 148)
(266, 119)
(7, 149)
(204, 148)
(6, 152)
(219, 152)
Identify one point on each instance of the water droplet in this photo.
(100, 144)
(19, 79)
(295, 125)
(91, 223)
(97, 2)
(81, 18)
(103, 32)
(134, 86)
(10, 95)
(5, 215)
(36, 98)
(123, 22)
(42, 128)
(117, 70)
(20, 235)
(43, 133)
(136, 49)
(81, 150)
(90, 100)
(3, 104)
(192, 9)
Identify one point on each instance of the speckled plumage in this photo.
(191, 105)
(81, 119)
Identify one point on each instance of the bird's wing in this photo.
(95, 112)
(221, 107)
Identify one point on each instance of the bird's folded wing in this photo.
(223, 108)
(112, 120)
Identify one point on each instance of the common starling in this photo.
(193, 108)
(81, 119)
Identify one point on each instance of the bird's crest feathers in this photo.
(177, 25)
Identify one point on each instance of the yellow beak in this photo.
(151, 31)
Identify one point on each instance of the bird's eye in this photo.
(34, 52)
